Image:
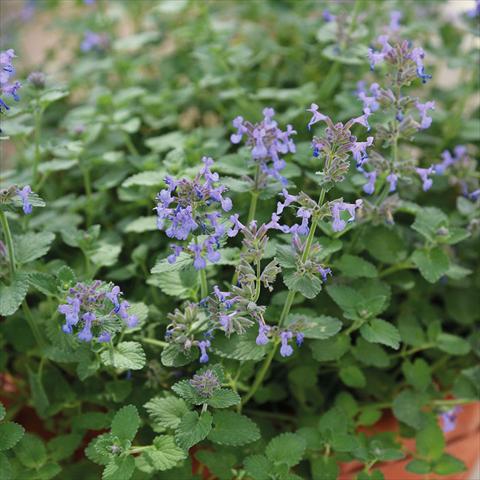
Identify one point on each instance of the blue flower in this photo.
(203, 345)
(336, 208)
(424, 176)
(286, 350)
(392, 179)
(262, 337)
(369, 187)
(449, 419)
(426, 121)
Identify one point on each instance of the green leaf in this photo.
(421, 467)
(369, 416)
(183, 261)
(184, 389)
(369, 354)
(430, 441)
(240, 347)
(166, 412)
(193, 429)
(38, 393)
(333, 422)
(287, 448)
(31, 451)
(63, 446)
(43, 282)
(175, 356)
(307, 284)
(330, 349)
(12, 295)
(152, 178)
(224, 398)
(125, 423)
(98, 450)
(258, 467)
(2, 411)
(142, 224)
(417, 374)
(164, 456)
(285, 256)
(380, 331)
(50, 96)
(119, 468)
(433, 264)
(354, 267)
(344, 442)
(407, 407)
(56, 165)
(385, 245)
(10, 435)
(233, 429)
(448, 465)
(66, 277)
(125, 356)
(352, 376)
(452, 344)
(91, 421)
(5, 467)
(428, 221)
(30, 246)
(319, 328)
(324, 468)
(176, 283)
(165, 142)
(220, 465)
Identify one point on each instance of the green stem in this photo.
(31, 323)
(131, 147)
(306, 252)
(87, 183)
(9, 242)
(203, 283)
(37, 131)
(396, 268)
(261, 373)
(153, 341)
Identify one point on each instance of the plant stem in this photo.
(37, 131)
(131, 147)
(31, 323)
(153, 341)
(88, 191)
(306, 252)
(261, 373)
(9, 242)
(203, 283)
(396, 268)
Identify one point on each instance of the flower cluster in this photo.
(186, 211)
(461, 168)
(7, 71)
(94, 41)
(96, 311)
(205, 383)
(13, 193)
(408, 60)
(265, 333)
(267, 142)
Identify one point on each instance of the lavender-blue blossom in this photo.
(267, 142)
(7, 71)
(95, 311)
(424, 174)
(336, 208)
(24, 193)
(449, 419)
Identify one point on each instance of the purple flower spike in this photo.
(286, 350)
(449, 419)
(417, 56)
(23, 194)
(395, 17)
(324, 272)
(424, 176)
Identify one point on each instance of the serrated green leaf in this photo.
(125, 356)
(125, 423)
(30, 246)
(98, 450)
(183, 261)
(430, 441)
(385, 244)
(330, 349)
(63, 446)
(240, 347)
(307, 284)
(433, 263)
(145, 179)
(166, 412)
(258, 467)
(43, 282)
(12, 295)
(319, 328)
(10, 435)
(223, 398)
(193, 429)
(428, 221)
(407, 407)
(369, 354)
(164, 456)
(176, 283)
(417, 374)
(233, 429)
(141, 224)
(380, 331)
(354, 267)
(175, 356)
(119, 468)
(218, 464)
(452, 344)
(352, 376)
(324, 468)
(31, 451)
(184, 389)
(287, 448)
(6, 467)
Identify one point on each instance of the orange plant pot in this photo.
(463, 443)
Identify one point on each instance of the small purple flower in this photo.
(262, 337)
(23, 194)
(327, 16)
(203, 345)
(424, 176)
(417, 55)
(113, 297)
(104, 337)
(359, 151)
(316, 115)
(299, 338)
(338, 224)
(177, 250)
(422, 108)
(363, 119)
(237, 226)
(369, 187)
(449, 419)
(94, 41)
(324, 272)
(286, 350)
(392, 179)
(86, 333)
(395, 17)
(288, 200)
